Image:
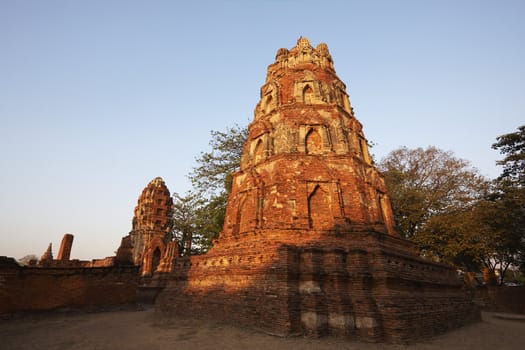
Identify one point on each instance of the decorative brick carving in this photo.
(166, 264)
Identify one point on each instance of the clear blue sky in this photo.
(99, 97)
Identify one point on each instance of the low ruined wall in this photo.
(46, 288)
(502, 298)
(244, 288)
(105, 262)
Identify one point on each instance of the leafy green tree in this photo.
(425, 183)
(197, 222)
(474, 237)
(504, 238)
(512, 145)
(214, 168)
(185, 222)
(509, 198)
(453, 213)
(199, 217)
(210, 221)
(434, 197)
(456, 237)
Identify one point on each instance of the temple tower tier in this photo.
(306, 164)
(309, 244)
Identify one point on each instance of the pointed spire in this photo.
(300, 55)
(47, 256)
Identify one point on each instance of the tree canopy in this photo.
(423, 183)
(434, 197)
(213, 169)
(454, 214)
(185, 222)
(509, 197)
(512, 146)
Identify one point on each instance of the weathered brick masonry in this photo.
(125, 278)
(309, 245)
(151, 227)
(32, 288)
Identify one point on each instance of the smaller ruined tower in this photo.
(151, 226)
(47, 257)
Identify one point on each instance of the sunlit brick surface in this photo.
(309, 245)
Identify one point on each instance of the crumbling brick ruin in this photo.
(309, 245)
(150, 244)
(65, 283)
(151, 229)
(65, 247)
(63, 258)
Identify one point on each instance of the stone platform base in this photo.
(363, 285)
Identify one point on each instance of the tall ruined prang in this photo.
(306, 164)
(309, 245)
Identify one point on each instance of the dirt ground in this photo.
(140, 330)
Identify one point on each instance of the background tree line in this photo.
(440, 202)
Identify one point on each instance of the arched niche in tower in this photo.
(308, 89)
(346, 103)
(380, 207)
(269, 97)
(314, 139)
(152, 256)
(320, 215)
(267, 102)
(313, 142)
(246, 213)
(385, 214)
(236, 229)
(363, 148)
(339, 89)
(260, 148)
(308, 94)
(155, 260)
(259, 152)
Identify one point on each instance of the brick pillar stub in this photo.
(65, 247)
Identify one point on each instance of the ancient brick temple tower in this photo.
(309, 244)
(151, 226)
(306, 165)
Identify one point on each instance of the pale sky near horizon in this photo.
(97, 98)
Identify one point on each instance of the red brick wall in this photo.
(350, 286)
(43, 288)
(502, 299)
